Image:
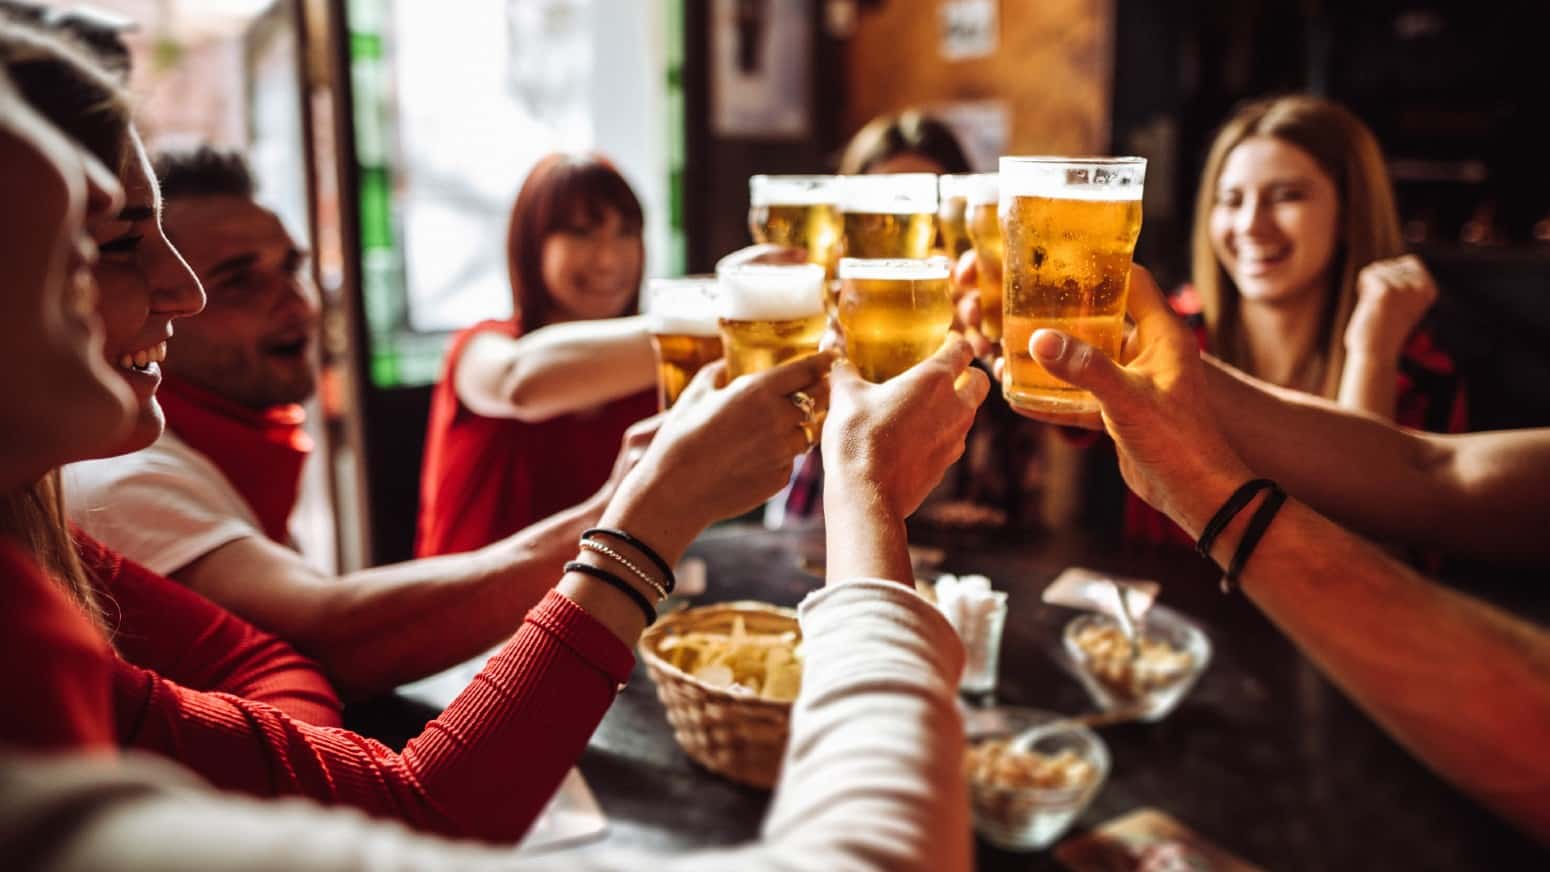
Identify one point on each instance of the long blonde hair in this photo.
(34, 517)
(1349, 154)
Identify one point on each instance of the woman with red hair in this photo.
(530, 411)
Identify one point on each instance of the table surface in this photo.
(1264, 757)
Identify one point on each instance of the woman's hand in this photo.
(1392, 296)
(895, 440)
(720, 452)
(964, 284)
(1172, 452)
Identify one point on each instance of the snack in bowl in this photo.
(1148, 683)
(727, 674)
(1030, 774)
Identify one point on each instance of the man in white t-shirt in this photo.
(208, 504)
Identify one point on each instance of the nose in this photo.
(1253, 218)
(175, 290)
(301, 296)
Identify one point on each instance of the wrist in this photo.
(667, 528)
(1199, 502)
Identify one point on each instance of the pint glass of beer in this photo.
(770, 314)
(984, 228)
(894, 313)
(1070, 228)
(682, 316)
(797, 212)
(951, 213)
(889, 216)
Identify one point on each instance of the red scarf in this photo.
(260, 452)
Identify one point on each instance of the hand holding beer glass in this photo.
(893, 313)
(984, 229)
(889, 216)
(1069, 227)
(771, 314)
(682, 316)
(797, 212)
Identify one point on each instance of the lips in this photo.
(1257, 260)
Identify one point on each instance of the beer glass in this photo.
(770, 314)
(951, 213)
(682, 317)
(889, 216)
(1069, 227)
(984, 228)
(893, 313)
(798, 212)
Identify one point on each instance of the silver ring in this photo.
(804, 403)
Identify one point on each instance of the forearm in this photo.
(378, 628)
(865, 540)
(1370, 383)
(569, 367)
(1463, 686)
(1357, 469)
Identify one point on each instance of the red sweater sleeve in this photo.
(166, 628)
(483, 769)
(53, 665)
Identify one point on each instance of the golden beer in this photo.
(952, 214)
(770, 314)
(882, 235)
(797, 212)
(681, 315)
(894, 313)
(889, 216)
(984, 227)
(1070, 229)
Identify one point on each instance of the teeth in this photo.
(144, 357)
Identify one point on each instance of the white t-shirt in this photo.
(163, 507)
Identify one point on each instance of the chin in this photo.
(148, 427)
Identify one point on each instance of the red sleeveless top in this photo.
(486, 478)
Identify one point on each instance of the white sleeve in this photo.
(163, 507)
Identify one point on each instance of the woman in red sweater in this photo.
(530, 410)
(486, 766)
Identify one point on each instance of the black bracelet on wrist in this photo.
(612, 580)
(1229, 510)
(1252, 534)
(671, 581)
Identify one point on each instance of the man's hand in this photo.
(1171, 450)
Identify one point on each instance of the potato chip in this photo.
(766, 665)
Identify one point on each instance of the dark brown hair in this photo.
(908, 132)
(562, 192)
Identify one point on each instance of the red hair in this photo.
(562, 192)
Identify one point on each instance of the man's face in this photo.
(255, 341)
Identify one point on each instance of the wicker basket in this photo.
(736, 735)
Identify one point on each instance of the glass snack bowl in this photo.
(1174, 651)
(1031, 774)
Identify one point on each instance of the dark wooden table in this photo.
(1264, 757)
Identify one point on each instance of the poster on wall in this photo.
(761, 60)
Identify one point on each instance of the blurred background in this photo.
(394, 135)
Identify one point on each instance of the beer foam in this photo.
(984, 188)
(896, 269)
(766, 292)
(897, 194)
(1073, 178)
(685, 306)
(793, 190)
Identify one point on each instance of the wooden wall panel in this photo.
(1053, 65)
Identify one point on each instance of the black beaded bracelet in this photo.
(604, 575)
(671, 581)
(1251, 536)
(1229, 510)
